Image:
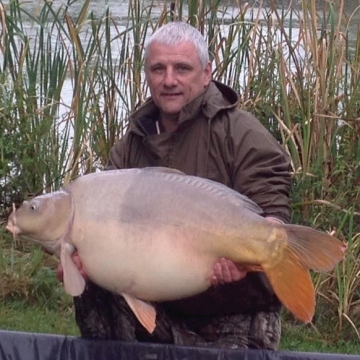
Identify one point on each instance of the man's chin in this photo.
(171, 112)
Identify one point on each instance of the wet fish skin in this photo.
(154, 234)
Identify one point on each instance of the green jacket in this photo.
(215, 140)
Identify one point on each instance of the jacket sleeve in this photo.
(117, 156)
(260, 166)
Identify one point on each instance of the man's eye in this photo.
(157, 69)
(183, 68)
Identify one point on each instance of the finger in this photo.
(60, 273)
(218, 275)
(78, 263)
(236, 273)
(225, 267)
(232, 272)
(76, 260)
(214, 281)
(225, 271)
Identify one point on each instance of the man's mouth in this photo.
(168, 95)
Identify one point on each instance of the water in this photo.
(119, 9)
(119, 14)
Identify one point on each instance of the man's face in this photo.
(175, 75)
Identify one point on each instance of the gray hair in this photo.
(176, 32)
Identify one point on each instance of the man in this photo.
(191, 123)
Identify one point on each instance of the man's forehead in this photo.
(184, 52)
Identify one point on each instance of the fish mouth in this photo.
(12, 226)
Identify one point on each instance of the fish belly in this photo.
(151, 263)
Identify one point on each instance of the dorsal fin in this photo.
(210, 185)
(163, 169)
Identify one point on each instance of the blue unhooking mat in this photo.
(30, 346)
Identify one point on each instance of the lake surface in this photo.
(119, 8)
(119, 13)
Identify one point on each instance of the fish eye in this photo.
(33, 205)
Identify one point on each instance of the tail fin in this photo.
(290, 278)
(315, 250)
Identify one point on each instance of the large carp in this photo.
(154, 234)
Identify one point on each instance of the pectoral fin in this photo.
(145, 312)
(74, 283)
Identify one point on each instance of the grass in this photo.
(300, 337)
(21, 316)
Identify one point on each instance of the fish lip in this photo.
(11, 225)
(12, 228)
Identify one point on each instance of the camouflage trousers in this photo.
(102, 315)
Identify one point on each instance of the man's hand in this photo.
(76, 259)
(225, 271)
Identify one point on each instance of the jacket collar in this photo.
(215, 97)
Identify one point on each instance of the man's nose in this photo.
(170, 78)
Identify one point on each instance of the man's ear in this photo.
(207, 74)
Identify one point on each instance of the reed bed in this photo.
(69, 80)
